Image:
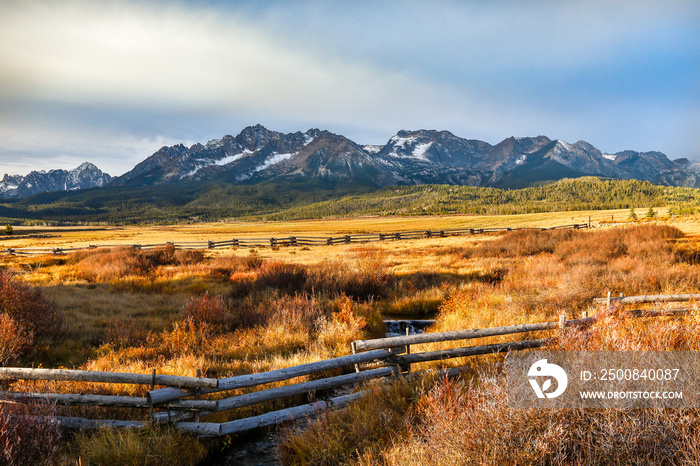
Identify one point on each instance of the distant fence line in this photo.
(289, 241)
(179, 402)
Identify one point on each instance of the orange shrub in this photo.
(101, 265)
(28, 308)
(13, 339)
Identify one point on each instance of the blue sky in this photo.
(112, 81)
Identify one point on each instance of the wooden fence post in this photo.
(609, 298)
(153, 386)
(562, 321)
(347, 239)
(197, 392)
(406, 367)
(353, 346)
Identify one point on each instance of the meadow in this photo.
(229, 312)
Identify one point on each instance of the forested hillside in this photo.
(180, 202)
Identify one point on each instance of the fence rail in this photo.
(183, 400)
(285, 241)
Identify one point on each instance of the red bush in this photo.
(28, 308)
(207, 309)
(28, 435)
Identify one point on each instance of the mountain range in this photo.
(408, 158)
(84, 176)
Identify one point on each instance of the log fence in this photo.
(181, 401)
(291, 241)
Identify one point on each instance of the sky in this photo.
(111, 82)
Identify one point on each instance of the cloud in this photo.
(111, 80)
(143, 55)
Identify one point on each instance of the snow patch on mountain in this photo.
(232, 158)
(420, 150)
(400, 142)
(273, 160)
(372, 149)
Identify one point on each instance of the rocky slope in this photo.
(409, 157)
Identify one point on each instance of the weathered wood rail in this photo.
(245, 242)
(181, 401)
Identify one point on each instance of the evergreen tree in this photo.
(632, 215)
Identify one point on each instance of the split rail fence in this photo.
(181, 401)
(288, 241)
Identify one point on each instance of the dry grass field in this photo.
(233, 311)
(84, 236)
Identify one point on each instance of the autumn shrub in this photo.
(14, 340)
(104, 265)
(29, 309)
(28, 435)
(125, 332)
(284, 276)
(208, 309)
(186, 337)
(189, 256)
(297, 310)
(345, 324)
(361, 274)
(226, 266)
(160, 256)
(253, 260)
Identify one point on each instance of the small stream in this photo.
(396, 328)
